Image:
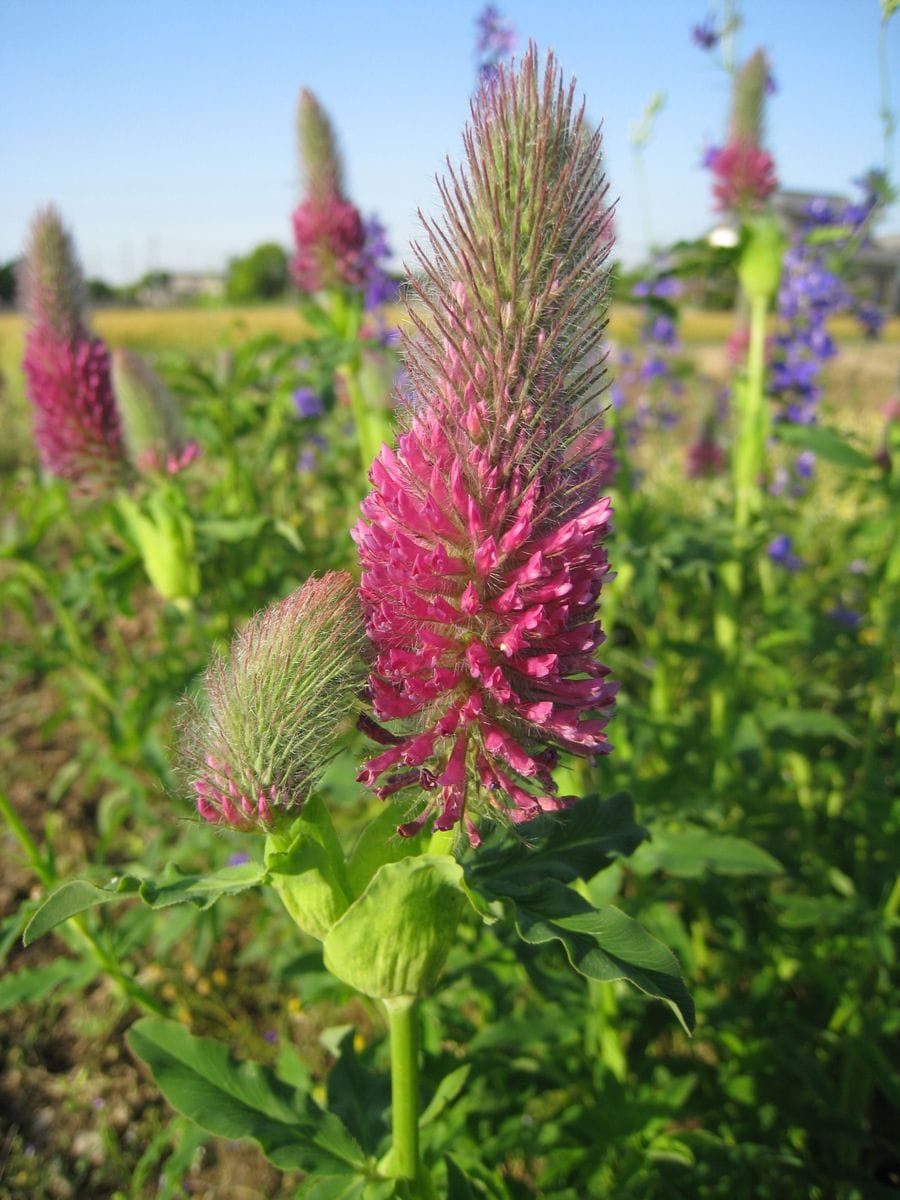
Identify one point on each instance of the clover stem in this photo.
(403, 1023)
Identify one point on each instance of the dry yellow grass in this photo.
(200, 331)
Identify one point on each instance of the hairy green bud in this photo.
(275, 708)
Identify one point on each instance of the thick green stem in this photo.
(753, 419)
(403, 1024)
(371, 427)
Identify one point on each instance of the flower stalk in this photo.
(403, 1025)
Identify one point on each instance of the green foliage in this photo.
(259, 275)
(753, 736)
(8, 271)
(202, 1081)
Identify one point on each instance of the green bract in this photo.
(394, 940)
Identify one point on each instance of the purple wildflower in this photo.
(870, 317)
(781, 551)
(706, 35)
(849, 618)
(495, 42)
(378, 287)
(309, 454)
(307, 402)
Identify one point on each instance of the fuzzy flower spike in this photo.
(329, 234)
(273, 710)
(67, 373)
(482, 538)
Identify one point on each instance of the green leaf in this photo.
(232, 529)
(445, 1093)
(72, 898)
(825, 443)
(379, 843)
(34, 982)
(307, 869)
(804, 722)
(457, 1182)
(689, 853)
(358, 1096)
(174, 887)
(575, 843)
(603, 944)
(243, 1100)
(346, 1187)
(394, 939)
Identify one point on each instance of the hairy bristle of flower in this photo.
(320, 160)
(272, 712)
(748, 100)
(514, 274)
(481, 540)
(151, 424)
(51, 282)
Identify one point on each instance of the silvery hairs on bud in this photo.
(271, 713)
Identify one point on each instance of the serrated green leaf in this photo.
(32, 983)
(689, 853)
(243, 1100)
(360, 1097)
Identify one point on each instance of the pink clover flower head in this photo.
(273, 711)
(704, 458)
(481, 541)
(329, 239)
(67, 371)
(329, 234)
(76, 423)
(744, 176)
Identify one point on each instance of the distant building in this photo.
(179, 287)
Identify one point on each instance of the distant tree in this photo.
(101, 292)
(8, 281)
(155, 279)
(259, 275)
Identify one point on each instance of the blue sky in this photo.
(164, 129)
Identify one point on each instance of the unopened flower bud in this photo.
(151, 423)
(274, 709)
